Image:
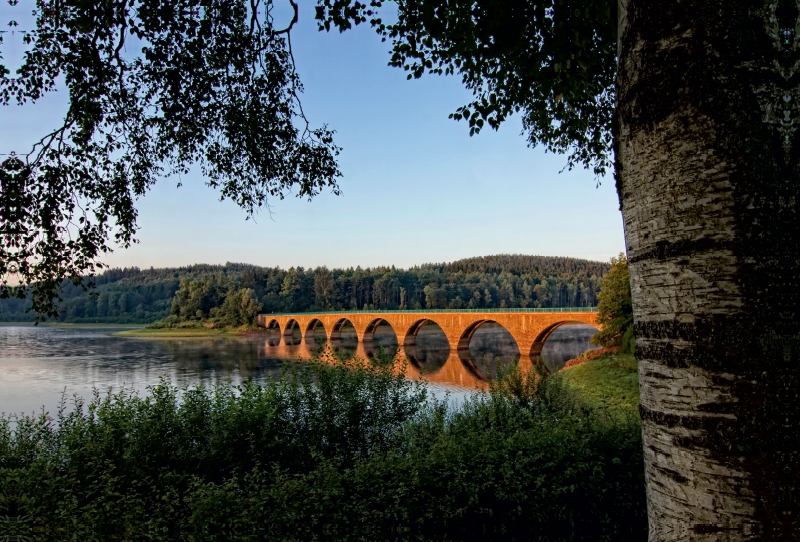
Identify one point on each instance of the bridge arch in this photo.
(312, 335)
(380, 334)
(289, 332)
(409, 338)
(273, 324)
(274, 332)
(313, 323)
(336, 329)
(478, 369)
(342, 335)
(539, 343)
(372, 327)
(466, 335)
(421, 355)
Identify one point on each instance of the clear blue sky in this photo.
(416, 188)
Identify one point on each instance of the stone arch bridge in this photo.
(530, 328)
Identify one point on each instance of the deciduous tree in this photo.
(155, 87)
(240, 307)
(614, 307)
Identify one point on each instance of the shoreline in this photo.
(189, 332)
(71, 324)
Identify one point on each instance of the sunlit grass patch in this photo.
(610, 382)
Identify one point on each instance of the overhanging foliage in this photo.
(155, 87)
(551, 61)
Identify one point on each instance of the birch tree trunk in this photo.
(708, 108)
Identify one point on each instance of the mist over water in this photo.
(40, 364)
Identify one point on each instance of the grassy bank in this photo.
(329, 452)
(610, 383)
(186, 332)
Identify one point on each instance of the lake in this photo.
(39, 365)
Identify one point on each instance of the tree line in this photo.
(232, 293)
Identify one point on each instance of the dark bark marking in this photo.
(663, 250)
(717, 60)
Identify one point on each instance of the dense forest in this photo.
(232, 292)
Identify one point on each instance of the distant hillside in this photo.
(145, 295)
(520, 264)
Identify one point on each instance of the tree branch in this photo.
(291, 24)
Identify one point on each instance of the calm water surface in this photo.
(39, 365)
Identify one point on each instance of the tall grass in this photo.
(341, 451)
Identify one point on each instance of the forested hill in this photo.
(519, 264)
(200, 291)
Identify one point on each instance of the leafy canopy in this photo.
(551, 61)
(154, 87)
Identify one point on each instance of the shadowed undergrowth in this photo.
(341, 451)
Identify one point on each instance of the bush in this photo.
(342, 450)
(628, 341)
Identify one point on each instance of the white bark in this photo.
(707, 174)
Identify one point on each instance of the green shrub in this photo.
(628, 342)
(615, 305)
(339, 451)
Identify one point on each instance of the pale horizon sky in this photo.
(416, 187)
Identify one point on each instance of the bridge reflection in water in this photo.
(457, 347)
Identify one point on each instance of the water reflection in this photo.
(565, 343)
(316, 336)
(383, 342)
(293, 335)
(273, 337)
(430, 350)
(37, 364)
(344, 339)
(492, 347)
